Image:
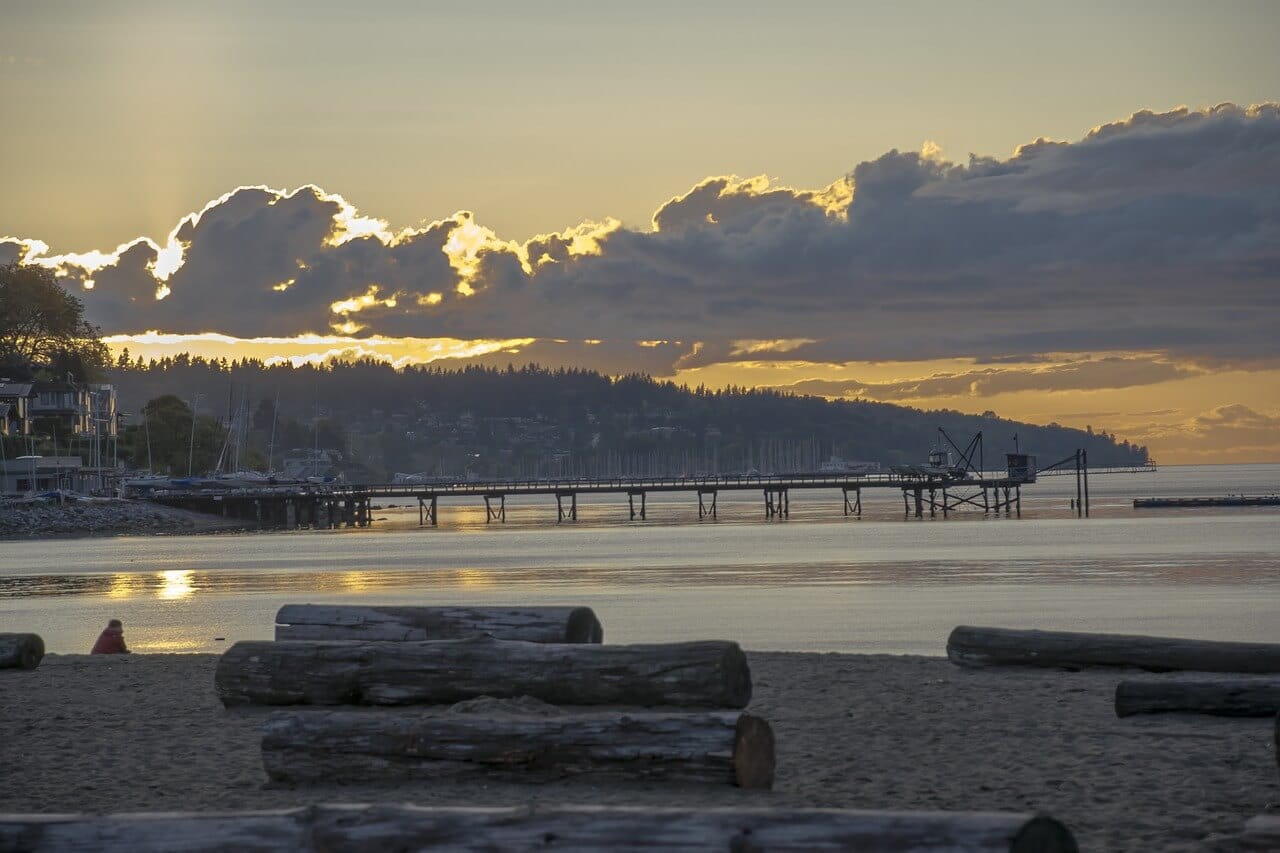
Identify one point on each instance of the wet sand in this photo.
(146, 732)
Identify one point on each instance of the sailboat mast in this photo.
(271, 445)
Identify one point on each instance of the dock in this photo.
(349, 505)
(327, 505)
(932, 489)
(1194, 503)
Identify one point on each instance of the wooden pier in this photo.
(348, 505)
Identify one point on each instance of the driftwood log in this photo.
(1234, 698)
(720, 747)
(347, 622)
(21, 651)
(969, 646)
(707, 674)
(370, 828)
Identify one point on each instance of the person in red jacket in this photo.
(111, 640)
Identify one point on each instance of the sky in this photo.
(1058, 212)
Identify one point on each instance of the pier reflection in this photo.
(126, 585)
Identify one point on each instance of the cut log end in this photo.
(583, 627)
(754, 759)
(21, 651)
(1043, 834)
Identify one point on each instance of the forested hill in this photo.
(537, 422)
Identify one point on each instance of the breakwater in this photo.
(1193, 503)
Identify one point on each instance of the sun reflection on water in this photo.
(126, 585)
(472, 577)
(176, 585)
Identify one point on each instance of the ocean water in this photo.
(816, 581)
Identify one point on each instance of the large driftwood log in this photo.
(374, 828)
(1238, 697)
(720, 747)
(347, 622)
(21, 651)
(709, 674)
(969, 646)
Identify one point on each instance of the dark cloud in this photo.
(1157, 233)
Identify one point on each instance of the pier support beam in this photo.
(1079, 498)
(631, 502)
(571, 511)
(777, 502)
(705, 510)
(855, 508)
(427, 510)
(1084, 464)
(495, 512)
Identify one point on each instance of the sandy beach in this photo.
(146, 732)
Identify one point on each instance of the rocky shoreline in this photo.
(40, 519)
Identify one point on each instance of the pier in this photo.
(930, 493)
(940, 487)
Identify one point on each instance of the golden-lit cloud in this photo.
(907, 256)
(368, 299)
(311, 349)
(780, 346)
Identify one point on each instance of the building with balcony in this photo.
(15, 407)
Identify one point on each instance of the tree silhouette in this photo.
(43, 326)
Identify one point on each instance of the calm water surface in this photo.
(817, 581)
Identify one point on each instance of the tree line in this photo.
(537, 421)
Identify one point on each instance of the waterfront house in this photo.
(67, 407)
(15, 407)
